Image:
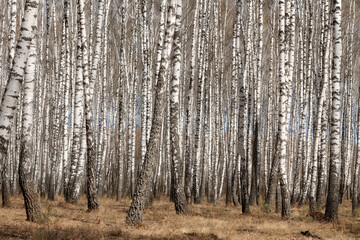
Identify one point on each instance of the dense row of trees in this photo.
(254, 100)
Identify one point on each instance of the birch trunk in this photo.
(31, 198)
(332, 201)
(180, 199)
(283, 115)
(78, 147)
(88, 99)
(190, 108)
(13, 88)
(136, 210)
(9, 103)
(12, 31)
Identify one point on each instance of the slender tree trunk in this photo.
(283, 116)
(79, 137)
(190, 108)
(320, 195)
(242, 128)
(88, 99)
(12, 31)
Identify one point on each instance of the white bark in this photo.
(283, 115)
(12, 31)
(13, 87)
(28, 187)
(332, 201)
(79, 145)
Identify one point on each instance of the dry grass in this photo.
(205, 221)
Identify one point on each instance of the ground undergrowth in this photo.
(205, 221)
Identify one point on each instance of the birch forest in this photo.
(180, 119)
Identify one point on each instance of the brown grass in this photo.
(205, 221)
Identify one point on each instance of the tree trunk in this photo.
(283, 116)
(13, 88)
(332, 201)
(88, 99)
(28, 188)
(180, 199)
(136, 210)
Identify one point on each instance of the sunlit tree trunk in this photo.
(146, 87)
(180, 199)
(10, 101)
(200, 107)
(3, 14)
(332, 201)
(12, 31)
(283, 116)
(320, 195)
(88, 99)
(28, 187)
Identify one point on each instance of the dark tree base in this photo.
(181, 206)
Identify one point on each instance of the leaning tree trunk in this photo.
(9, 103)
(5, 188)
(332, 201)
(137, 207)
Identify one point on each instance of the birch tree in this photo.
(88, 99)
(136, 210)
(332, 201)
(28, 188)
(180, 200)
(23, 59)
(283, 115)
(78, 146)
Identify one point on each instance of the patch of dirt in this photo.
(186, 236)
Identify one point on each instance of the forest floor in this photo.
(205, 221)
